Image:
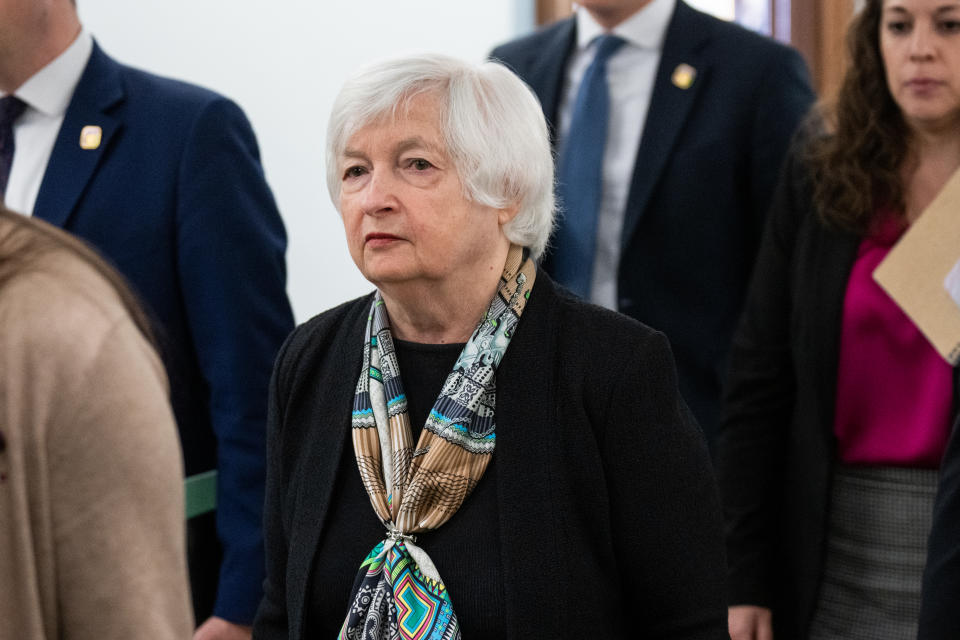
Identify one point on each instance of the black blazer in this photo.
(618, 514)
(705, 170)
(776, 449)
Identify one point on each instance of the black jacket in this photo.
(776, 449)
(609, 520)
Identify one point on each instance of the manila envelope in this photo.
(924, 266)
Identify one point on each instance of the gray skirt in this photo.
(876, 549)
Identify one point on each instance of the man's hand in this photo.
(219, 629)
(747, 622)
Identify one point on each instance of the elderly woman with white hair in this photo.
(469, 449)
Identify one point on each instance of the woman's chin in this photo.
(385, 275)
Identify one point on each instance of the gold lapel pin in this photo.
(90, 136)
(683, 76)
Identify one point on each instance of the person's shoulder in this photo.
(728, 41)
(519, 48)
(60, 281)
(331, 329)
(800, 161)
(160, 98)
(177, 93)
(601, 330)
(600, 350)
(60, 309)
(328, 322)
(736, 39)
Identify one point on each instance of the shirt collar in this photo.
(645, 29)
(50, 89)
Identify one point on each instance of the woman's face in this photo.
(404, 211)
(920, 45)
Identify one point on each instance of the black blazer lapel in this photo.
(670, 106)
(313, 498)
(71, 166)
(526, 496)
(321, 461)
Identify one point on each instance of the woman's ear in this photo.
(508, 213)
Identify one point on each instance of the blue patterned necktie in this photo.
(10, 109)
(580, 175)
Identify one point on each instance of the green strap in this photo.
(201, 493)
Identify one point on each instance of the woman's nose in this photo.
(921, 43)
(378, 194)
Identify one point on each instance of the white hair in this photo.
(492, 125)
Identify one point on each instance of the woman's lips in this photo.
(922, 84)
(377, 240)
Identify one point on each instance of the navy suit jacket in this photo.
(705, 171)
(175, 197)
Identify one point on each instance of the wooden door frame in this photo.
(818, 30)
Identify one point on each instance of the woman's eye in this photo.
(419, 164)
(353, 172)
(898, 26)
(950, 26)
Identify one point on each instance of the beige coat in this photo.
(91, 493)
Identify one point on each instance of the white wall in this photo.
(283, 62)
(724, 9)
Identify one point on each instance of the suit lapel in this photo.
(71, 167)
(525, 489)
(670, 106)
(547, 70)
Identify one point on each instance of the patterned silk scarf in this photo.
(398, 594)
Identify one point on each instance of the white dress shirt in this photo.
(631, 72)
(47, 94)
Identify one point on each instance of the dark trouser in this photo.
(203, 560)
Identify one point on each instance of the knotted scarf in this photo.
(398, 593)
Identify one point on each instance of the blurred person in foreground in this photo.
(91, 489)
(164, 179)
(837, 409)
(495, 448)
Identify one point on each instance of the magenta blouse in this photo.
(894, 391)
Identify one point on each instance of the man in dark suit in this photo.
(165, 180)
(665, 181)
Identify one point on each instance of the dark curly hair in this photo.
(856, 166)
